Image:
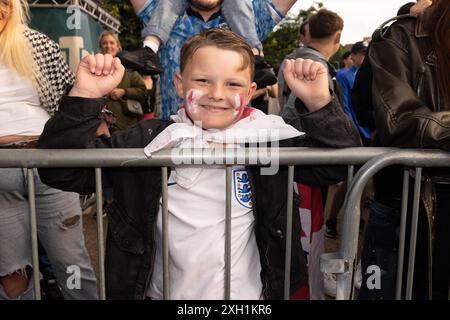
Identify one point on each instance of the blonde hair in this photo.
(15, 50)
(112, 34)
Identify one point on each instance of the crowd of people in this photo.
(204, 61)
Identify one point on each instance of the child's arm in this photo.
(77, 122)
(321, 117)
(97, 76)
(308, 81)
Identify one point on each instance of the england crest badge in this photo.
(242, 189)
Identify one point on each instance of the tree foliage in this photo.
(130, 29)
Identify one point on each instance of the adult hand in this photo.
(308, 81)
(117, 93)
(97, 76)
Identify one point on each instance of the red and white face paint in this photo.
(239, 104)
(192, 100)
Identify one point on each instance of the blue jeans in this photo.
(238, 14)
(60, 231)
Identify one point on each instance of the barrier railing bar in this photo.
(349, 241)
(34, 237)
(287, 260)
(348, 245)
(413, 158)
(95, 158)
(165, 233)
(100, 246)
(401, 243)
(413, 238)
(228, 233)
(350, 174)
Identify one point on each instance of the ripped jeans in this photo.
(60, 231)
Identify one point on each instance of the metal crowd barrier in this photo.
(340, 263)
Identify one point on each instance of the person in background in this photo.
(303, 35)
(238, 14)
(411, 94)
(149, 103)
(132, 86)
(260, 99)
(303, 40)
(33, 78)
(346, 79)
(325, 29)
(347, 61)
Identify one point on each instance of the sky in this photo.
(361, 17)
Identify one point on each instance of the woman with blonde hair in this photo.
(33, 78)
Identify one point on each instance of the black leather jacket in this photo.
(130, 246)
(407, 108)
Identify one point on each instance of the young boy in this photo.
(215, 82)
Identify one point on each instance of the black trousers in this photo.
(381, 243)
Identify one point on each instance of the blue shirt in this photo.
(346, 79)
(189, 24)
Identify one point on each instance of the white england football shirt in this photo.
(197, 240)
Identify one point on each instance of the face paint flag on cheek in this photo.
(239, 105)
(192, 98)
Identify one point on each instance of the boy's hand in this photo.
(308, 81)
(97, 76)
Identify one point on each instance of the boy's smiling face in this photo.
(215, 87)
